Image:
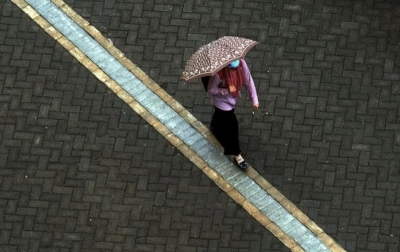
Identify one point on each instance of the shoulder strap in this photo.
(205, 80)
(221, 74)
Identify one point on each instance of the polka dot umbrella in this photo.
(214, 56)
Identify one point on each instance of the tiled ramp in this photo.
(170, 119)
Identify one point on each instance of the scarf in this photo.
(234, 76)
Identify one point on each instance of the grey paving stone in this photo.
(269, 206)
(246, 186)
(216, 159)
(230, 174)
(294, 229)
(202, 147)
(188, 134)
(142, 96)
(39, 4)
(257, 195)
(130, 84)
(110, 65)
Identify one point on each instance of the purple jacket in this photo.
(222, 99)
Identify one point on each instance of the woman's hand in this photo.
(255, 107)
(232, 88)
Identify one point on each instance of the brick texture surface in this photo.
(79, 171)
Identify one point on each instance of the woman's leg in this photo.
(225, 127)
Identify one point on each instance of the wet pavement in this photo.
(80, 171)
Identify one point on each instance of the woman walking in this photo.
(224, 89)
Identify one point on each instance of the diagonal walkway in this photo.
(171, 120)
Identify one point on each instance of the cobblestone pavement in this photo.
(81, 172)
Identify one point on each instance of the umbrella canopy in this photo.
(212, 57)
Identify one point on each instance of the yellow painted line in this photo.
(165, 132)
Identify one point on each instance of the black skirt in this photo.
(224, 126)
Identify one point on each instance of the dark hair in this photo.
(205, 80)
